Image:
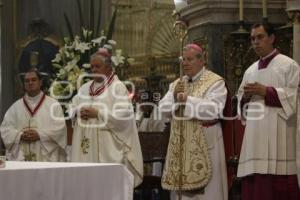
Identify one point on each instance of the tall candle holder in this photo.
(264, 10)
(240, 37)
(237, 50)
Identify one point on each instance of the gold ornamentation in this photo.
(294, 15)
(196, 164)
(30, 157)
(85, 145)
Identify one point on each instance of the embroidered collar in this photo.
(97, 91)
(33, 111)
(264, 62)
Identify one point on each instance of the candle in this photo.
(241, 8)
(264, 7)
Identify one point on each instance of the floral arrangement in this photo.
(72, 60)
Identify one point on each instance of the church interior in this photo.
(146, 45)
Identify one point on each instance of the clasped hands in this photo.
(30, 135)
(179, 94)
(251, 89)
(88, 112)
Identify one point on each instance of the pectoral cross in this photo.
(30, 156)
(85, 145)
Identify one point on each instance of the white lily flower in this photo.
(130, 60)
(90, 33)
(99, 40)
(118, 52)
(77, 38)
(82, 46)
(107, 46)
(66, 40)
(118, 60)
(86, 65)
(61, 74)
(57, 58)
(84, 33)
(73, 53)
(71, 65)
(67, 54)
(112, 42)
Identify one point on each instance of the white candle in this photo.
(264, 7)
(241, 9)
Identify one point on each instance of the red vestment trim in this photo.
(32, 112)
(101, 89)
(263, 63)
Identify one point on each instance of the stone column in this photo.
(293, 10)
(1, 5)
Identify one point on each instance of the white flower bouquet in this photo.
(72, 61)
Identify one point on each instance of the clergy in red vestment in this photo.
(268, 106)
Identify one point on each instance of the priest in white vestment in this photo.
(105, 129)
(150, 121)
(147, 115)
(267, 103)
(34, 128)
(199, 169)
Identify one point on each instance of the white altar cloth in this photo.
(65, 181)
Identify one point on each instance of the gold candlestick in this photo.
(264, 9)
(241, 10)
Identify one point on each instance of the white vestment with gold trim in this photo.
(201, 105)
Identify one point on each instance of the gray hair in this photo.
(199, 55)
(104, 59)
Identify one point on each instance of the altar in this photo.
(65, 181)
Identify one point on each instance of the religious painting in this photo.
(38, 50)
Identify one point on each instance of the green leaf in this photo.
(99, 19)
(111, 26)
(69, 27)
(81, 19)
(92, 15)
(57, 65)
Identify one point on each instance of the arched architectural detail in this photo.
(161, 39)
